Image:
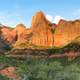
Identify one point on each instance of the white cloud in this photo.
(49, 17)
(55, 19)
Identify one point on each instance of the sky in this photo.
(13, 12)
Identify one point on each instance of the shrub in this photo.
(70, 72)
(39, 70)
(4, 77)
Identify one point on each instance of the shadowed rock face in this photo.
(3, 46)
(66, 32)
(20, 32)
(6, 35)
(41, 31)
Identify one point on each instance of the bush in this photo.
(42, 69)
(70, 72)
(39, 70)
(48, 70)
(4, 77)
(6, 62)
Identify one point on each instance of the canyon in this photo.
(43, 40)
(42, 32)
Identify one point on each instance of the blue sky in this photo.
(13, 12)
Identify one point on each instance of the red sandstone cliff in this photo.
(6, 35)
(66, 32)
(43, 33)
(41, 30)
(20, 32)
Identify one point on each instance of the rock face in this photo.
(20, 31)
(16, 34)
(66, 32)
(3, 46)
(9, 72)
(41, 31)
(8, 35)
(5, 33)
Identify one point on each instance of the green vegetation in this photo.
(50, 24)
(42, 69)
(6, 62)
(48, 70)
(4, 77)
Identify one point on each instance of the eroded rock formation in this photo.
(66, 32)
(41, 30)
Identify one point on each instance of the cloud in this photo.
(49, 17)
(55, 19)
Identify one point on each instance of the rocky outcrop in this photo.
(20, 32)
(9, 72)
(5, 33)
(8, 35)
(4, 46)
(41, 30)
(43, 33)
(66, 32)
